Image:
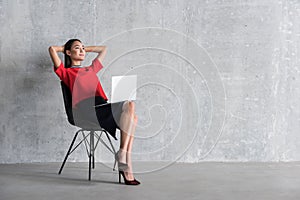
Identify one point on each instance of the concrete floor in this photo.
(264, 181)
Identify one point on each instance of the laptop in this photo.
(123, 88)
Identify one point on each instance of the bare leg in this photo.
(125, 138)
(130, 142)
(127, 118)
(129, 171)
(128, 122)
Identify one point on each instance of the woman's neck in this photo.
(74, 63)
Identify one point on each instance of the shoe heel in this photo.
(127, 182)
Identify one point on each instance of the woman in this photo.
(87, 92)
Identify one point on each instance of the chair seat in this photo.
(87, 125)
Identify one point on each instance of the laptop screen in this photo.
(123, 88)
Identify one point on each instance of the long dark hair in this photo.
(68, 45)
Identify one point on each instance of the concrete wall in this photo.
(218, 80)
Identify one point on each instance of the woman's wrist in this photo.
(88, 49)
(95, 49)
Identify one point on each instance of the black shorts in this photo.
(98, 111)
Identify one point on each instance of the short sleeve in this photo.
(61, 71)
(96, 65)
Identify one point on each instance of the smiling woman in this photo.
(76, 53)
(87, 92)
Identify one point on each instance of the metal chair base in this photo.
(90, 147)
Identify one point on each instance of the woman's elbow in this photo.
(50, 49)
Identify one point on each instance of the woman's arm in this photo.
(101, 50)
(54, 56)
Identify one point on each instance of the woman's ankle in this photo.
(122, 154)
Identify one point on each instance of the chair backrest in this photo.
(82, 123)
(68, 102)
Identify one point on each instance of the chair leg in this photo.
(90, 149)
(112, 146)
(91, 154)
(89, 167)
(93, 147)
(66, 157)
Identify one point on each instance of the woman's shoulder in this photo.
(96, 65)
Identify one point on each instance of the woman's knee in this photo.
(129, 106)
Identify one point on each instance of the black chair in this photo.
(94, 131)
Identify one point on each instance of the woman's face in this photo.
(77, 52)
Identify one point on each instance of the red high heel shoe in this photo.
(127, 182)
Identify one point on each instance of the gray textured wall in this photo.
(218, 80)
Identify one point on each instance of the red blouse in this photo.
(83, 82)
